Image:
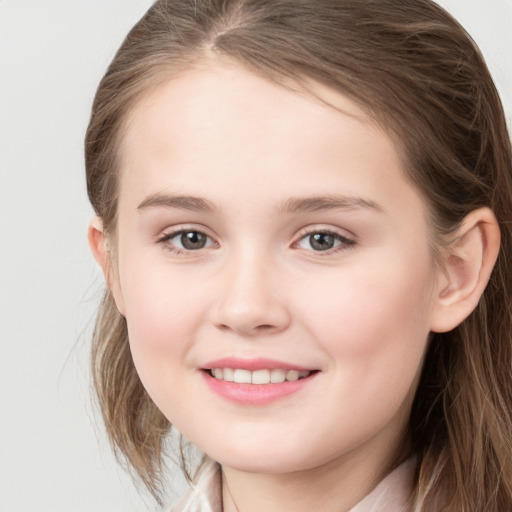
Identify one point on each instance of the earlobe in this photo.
(468, 264)
(98, 243)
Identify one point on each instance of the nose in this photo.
(252, 300)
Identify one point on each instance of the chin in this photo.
(265, 465)
(254, 459)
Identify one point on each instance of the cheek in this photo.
(373, 326)
(374, 316)
(163, 311)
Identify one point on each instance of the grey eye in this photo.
(322, 241)
(186, 240)
(192, 240)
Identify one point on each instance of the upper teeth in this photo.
(258, 376)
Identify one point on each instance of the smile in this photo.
(270, 376)
(254, 382)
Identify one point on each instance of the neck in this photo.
(333, 487)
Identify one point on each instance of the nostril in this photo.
(265, 327)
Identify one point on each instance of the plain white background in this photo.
(53, 455)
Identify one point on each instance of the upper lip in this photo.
(260, 363)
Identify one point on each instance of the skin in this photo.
(359, 314)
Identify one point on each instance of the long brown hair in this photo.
(415, 70)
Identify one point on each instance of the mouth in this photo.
(262, 376)
(255, 381)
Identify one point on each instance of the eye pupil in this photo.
(321, 241)
(193, 240)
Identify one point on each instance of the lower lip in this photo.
(254, 394)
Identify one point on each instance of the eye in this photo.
(324, 241)
(186, 240)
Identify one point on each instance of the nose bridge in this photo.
(250, 303)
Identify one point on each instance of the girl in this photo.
(304, 221)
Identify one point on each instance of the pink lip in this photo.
(253, 394)
(260, 363)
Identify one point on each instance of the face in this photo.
(274, 268)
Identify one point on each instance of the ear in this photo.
(468, 264)
(98, 243)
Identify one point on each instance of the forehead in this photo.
(222, 91)
(220, 128)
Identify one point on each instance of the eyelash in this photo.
(344, 243)
(166, 238)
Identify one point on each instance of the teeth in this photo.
(275, 376)
(261, 377)
(229, 374)
(292, 375)
(242, 376)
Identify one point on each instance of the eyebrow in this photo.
(321, 203)
(292, 205)
(197, 204)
